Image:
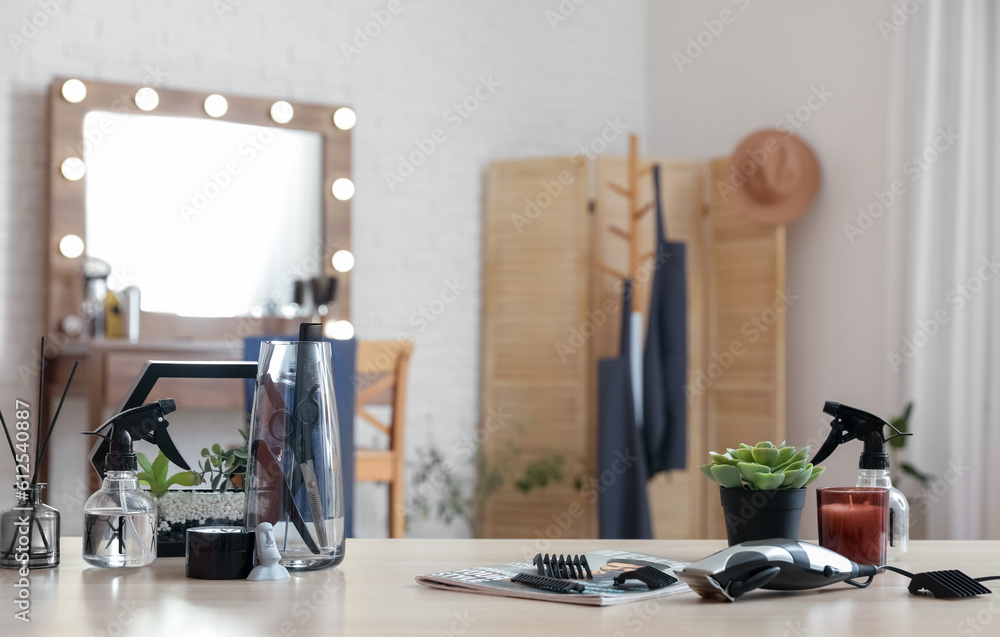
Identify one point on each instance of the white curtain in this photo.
(944, 245)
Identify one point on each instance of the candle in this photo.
(854, 522)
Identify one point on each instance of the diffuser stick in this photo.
(38, 405)
(48, 437)
(7, 433)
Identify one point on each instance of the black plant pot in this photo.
(762, 515)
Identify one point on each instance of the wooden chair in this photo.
(381, 373)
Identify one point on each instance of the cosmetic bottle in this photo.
(29, 531)
(119, 521)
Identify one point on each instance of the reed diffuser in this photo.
(29, 531)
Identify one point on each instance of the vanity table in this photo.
(374, 593)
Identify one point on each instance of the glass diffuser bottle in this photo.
(29, 530)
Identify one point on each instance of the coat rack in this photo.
(635, 213)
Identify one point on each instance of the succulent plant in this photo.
(762, 467)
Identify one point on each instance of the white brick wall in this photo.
(556, 88)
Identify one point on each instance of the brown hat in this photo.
(773, 176)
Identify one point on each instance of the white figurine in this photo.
(268, 556)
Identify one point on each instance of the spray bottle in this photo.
(850, 424)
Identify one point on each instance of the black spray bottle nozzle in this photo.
(120, 456)
(853, 424)
(145, 422)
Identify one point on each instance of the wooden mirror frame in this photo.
(67, 201)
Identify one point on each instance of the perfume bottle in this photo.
(29, 531)
(119, 521)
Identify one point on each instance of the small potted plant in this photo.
(180, 509)
(762, 489)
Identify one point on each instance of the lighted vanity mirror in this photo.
(212, 204)
(207, 218)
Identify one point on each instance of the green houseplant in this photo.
(762, 489)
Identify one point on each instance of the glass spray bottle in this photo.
(119, 521)
(850, 423)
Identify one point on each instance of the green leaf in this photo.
(707, 470)
(217, 449)
(768, 481)
(804, 477)
(727, 475)
(143, 477)
(749, 470)
(745, 453)
(183, 478)
(766, 456)
(144, 463)
(790, 477)
(241, 454)
(718, 458)
(801, 454)
(816, 472)
(204, 452)
(910, 470)
(764, 444)
(160, 468)
(784, 454)
(215, 481)
(216, 462)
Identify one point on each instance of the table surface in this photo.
(373, 593)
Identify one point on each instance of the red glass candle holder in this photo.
(854, 521)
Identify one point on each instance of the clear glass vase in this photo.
(294, 473)
(29, 531)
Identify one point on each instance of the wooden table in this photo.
(373, 593)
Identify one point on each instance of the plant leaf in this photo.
(784, 454)
(801, 454)
(769, 481)
(707, 470)
(910, 470)
(745, 453)
(160, 468)
(766, 456)
(764, 444)
(217, 449)
(727, 475)
(749, 470)
(816, 472)
(183, 478)
(718, 458)
(144, 463)
(204, 452)
(804, 477)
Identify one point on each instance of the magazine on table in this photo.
(599, 591)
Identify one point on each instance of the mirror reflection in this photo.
(223, 212)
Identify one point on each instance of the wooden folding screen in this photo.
(545, 326)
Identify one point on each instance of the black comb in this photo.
(947, 584)
(652, 577)
(562, 566)
(548, 583)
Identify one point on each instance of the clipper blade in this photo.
(947, 584)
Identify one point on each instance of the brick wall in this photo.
(553, 72)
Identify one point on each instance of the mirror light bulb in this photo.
(73, 169)
(147, 99)
(282, 112)
(71, 246)
(339, 330)
(73, 91)
(343, 261)
(344, 118)
(216, 105)
(343, 189)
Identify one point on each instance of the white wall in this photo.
(763, 64)
(557, 82)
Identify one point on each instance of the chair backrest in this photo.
(382, 368)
